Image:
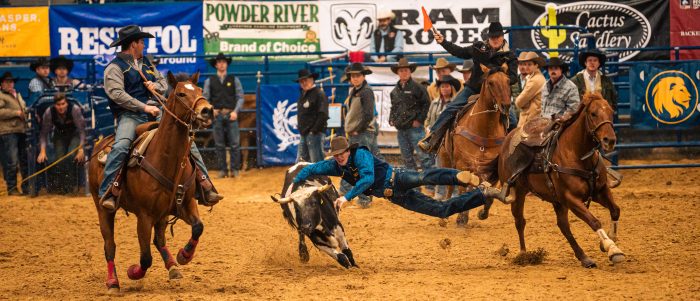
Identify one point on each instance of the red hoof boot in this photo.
(183, 257)
(135, 272)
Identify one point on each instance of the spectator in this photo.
(442, 67)
(592, 79)
(560, 95)
(61, 68)
(466, 71)
(41, 81)
(66, 124)
(386, 38)
(312, 117)
(515, 90)
(448, 89)
(409, 107)
(225, 93)
(493, 52)
(360, 121)
(13, 126)
(529, 100)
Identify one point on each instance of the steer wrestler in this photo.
(372, 176)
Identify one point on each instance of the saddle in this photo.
(144, 133)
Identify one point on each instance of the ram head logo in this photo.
(353, 25)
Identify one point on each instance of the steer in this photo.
(308, 208)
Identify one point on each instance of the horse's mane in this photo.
(568, 118)
(182, 77)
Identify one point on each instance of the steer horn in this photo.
(324, 188)
(282, 200)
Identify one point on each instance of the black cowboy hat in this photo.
(128, 34)
(495, 30)
(448, 79)
(403, 63)
(218, 57)
(305, 73)
(557, 62)
(8, 75)
(357, 68)
(591, 52)
(42, 61)
(61, 61)
(339, 144)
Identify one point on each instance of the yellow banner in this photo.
(24, 31)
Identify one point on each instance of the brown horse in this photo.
(145, 196)
(476, 138)
(567, 171)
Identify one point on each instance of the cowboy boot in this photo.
(491, 193)
(467, 178)
(615, 177)
(424, 144)
(209, 195)
(109, 200)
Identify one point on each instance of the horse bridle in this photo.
(593, 130)
(497, 108)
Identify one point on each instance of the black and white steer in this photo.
(308, 208)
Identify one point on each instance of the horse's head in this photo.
(496, 87)
(187, 103)
(599, 120)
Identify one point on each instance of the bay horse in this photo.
(566, 170)
(475, 141)
(144, 193)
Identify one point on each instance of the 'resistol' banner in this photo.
(349, 25)
(619, 24)
(24, 31)
(85, 31)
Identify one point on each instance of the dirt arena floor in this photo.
(51, 248)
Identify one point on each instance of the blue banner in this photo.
(665, 96)
(277, 118)
(85, 31)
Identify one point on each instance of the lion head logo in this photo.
(671, 95)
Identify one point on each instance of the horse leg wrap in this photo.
(112, 281)
(167, 257)
(135, 272)
(605, 240)
(185, 255)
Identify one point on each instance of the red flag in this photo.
(427, 23)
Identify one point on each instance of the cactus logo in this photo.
(614, 25)
(671, 97)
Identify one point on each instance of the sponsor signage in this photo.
(685, 28)
(665, 95)
(86, 31)
(235, 27)
(350, 26)
(24, 31)
(621, 24)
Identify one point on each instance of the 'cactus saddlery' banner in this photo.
(620, 24)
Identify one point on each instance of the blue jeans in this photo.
(448, 114)
(513, 118)
(9, 157)
(226, 133)
(369, 140)
(310, 148)
(412, 199)
(124, 135)
(408, 141)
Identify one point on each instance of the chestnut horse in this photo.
(570, 172)
(476, 138)
(145, 196)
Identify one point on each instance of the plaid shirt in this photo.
(560, 98)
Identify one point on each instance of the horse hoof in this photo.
(343, 260)
(182, 258)
(174, 273)
(462, 219)
(113, 291)
(483, 214)
(617, 258)
(303, 254)
(135, 272)
(588, 263)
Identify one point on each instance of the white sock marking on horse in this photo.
(189, 87)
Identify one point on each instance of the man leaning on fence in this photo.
(225, 93)
(132, 104)
(591, 79)
(13, 126)
(312, 117)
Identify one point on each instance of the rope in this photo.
(43, 169)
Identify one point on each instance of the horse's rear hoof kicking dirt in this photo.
(154, 198)
(563, 166)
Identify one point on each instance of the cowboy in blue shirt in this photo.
(372, 176)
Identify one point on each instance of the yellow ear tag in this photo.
(228, 84)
